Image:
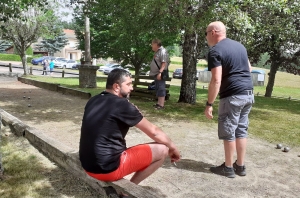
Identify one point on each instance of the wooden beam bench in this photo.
(140, 87)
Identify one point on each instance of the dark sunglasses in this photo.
(207, 32)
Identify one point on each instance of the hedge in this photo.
(14, 57)
(10, 57)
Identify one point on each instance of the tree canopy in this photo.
(23, 31)
(123, 30)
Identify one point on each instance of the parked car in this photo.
(58, 59)
(59, 63)
(76, 66)
(37, 61)
(145, 69)
(69, 64)
(177, 73)
(109, 69)
(108, 65)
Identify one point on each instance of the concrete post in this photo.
(88, 76)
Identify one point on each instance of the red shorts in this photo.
(136, 158)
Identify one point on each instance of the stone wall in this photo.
(56, 87)
(68, 158)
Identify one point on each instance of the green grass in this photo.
(273, 119)
(27, 173)
(176, 62)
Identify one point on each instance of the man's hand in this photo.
(174, 155)
(208, 112)
(158, 77)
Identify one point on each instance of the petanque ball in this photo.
(29, 105)
(24, 96)
(279, 146)
(286, 149)
(28, 98)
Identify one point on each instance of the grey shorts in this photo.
(160, 87)
(233, 116)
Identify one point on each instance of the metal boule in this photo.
(286, 149)
(24, 96)
(28, 98)
(279, 146)
(29, 105)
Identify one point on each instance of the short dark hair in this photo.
(157, 41)
(116, 76)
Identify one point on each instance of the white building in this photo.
(70, 51)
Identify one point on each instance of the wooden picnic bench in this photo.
(140, 87)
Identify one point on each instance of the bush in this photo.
(14, 57)
(10, 57)
(29, 51)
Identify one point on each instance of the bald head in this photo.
(218, 26)
(215, 32)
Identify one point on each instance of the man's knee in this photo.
(159, 151)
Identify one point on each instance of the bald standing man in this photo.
(231, 79)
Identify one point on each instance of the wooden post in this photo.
(10, 68)
(63, 73)
(30, 70)
(1, 166)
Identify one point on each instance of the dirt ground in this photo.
(270, 172)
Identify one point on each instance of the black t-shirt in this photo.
(233, 58)
(105, 123)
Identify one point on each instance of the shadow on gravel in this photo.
(190, 165)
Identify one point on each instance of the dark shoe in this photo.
(155, 105)
(239, 170)
(158, 107)
(223, 170)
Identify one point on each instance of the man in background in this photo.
(160, 62)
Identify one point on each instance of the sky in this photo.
(62, 11)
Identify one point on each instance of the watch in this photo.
(209, 104)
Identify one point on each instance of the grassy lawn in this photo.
(273, 119)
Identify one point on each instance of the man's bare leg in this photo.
(229, 147)
(241, 144)
(159, 154)
(161, 101)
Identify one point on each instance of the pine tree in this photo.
(53, 45)
(4, 45)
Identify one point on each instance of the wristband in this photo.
(209, 104)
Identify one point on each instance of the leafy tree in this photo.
(23, 31)
(4, 45)
(277, 27)
(53, 45)
(13, 9)
(123, 30)
(270, 27)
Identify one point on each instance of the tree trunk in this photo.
(271, 81)
(188, 82)
(24, 63)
